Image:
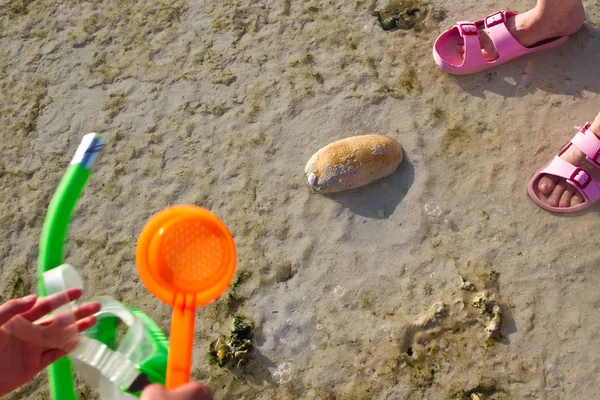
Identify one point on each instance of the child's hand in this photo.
(27, 346)
(189, 391)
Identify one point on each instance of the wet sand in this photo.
(355, 295)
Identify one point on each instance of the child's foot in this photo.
(558, 192)
(532, 27)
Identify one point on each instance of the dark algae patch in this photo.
(233, 351)
(401, 14)
(482, 392)
(451, 344)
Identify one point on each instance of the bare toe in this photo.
(565, 199)
(577, 199)
(547, 184)
(559, 189)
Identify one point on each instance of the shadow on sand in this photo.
(381, 196)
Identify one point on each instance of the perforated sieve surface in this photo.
(194, 254)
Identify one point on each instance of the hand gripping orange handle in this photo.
(181, 343)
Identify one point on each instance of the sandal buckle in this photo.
(495, 19)
(580, 178)
(468, 29)
(596, 157)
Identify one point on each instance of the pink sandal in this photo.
(586, 141)
(450, 60)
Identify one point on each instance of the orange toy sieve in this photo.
(186, 258)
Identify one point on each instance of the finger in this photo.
(86, 310)
(52, 302)
(15, 307)
(86, 323)
(67, 318)
(81, 318)
(50, 356)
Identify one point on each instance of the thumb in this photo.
(189, 391)
(15, 307)
(193, 391)
(155, 392)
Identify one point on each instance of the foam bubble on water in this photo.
(281, 377)
(285, 367)
(283, 374)
(433, 210)
(339, 290)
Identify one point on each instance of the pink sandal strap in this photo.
(470, 34)
(586, 141)
(505, 43)
(575, 176)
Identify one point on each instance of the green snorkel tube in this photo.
(119, 370)
(54, 234)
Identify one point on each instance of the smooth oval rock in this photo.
(352, 162)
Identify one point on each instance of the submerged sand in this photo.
(221, 103)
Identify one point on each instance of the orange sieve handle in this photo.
(180, 346)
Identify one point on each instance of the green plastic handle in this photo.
(155, 366)
(54, 233)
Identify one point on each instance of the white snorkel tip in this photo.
(88, 150)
